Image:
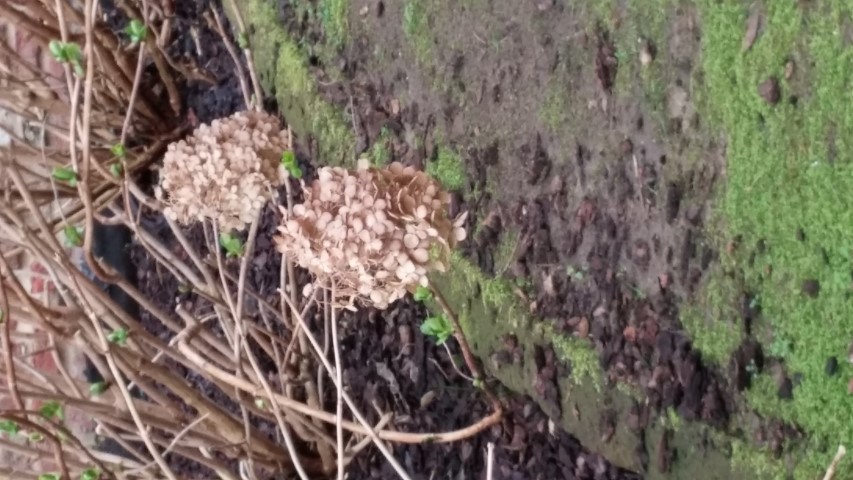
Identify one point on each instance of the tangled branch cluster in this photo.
(225, 171)
(374, 233)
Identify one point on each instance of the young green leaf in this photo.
(137, 31)
(288, 160)
(115, 169)
(118, 337)
(422, 294)
(73, 235)
(65, 174)
(52, 410)
(55, 47)
(97, 388)
(67, 53)
(9, 427)
(35, 437)
(233, 246)
(90, 474)
(260, 403)
(49, 476)
(118, 150)
(438, 328)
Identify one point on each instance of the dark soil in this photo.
(611, 196)
(601, 199)
(389, 362)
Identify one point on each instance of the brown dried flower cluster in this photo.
(374, 233)
(225, 171)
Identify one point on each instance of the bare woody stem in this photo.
(459, 334)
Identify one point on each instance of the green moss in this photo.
(334, 17)
(756, 463)
(506, 250)
(712, 319)
(671, 419)
(417, 29)
(553, 112)
(782, 177)
(283, 69)
(448, 169)
(579, 354)
(380, 153)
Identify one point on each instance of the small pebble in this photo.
(646, 54)
(789, 69)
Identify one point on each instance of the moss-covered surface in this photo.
(448, 169)
(789, 168)
(283, 69)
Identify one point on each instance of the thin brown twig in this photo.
(339, 408)
(470, 361)
(830, 472)
(20, 417)
(216, 24)
(6, 321)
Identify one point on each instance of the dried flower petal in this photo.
(372, 232)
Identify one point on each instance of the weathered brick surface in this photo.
(34, 276)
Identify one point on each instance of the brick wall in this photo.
(32, 274)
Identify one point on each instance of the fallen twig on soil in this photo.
(830, 472)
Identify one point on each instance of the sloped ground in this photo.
(662, 179)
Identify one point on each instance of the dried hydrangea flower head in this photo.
(374, 233)
(225, 171)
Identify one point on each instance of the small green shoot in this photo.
(52, 410)
(437, 328)
(288, 160)
(478, 383)
(36, 437)
(638, 294)
(90, 474)
(260, 403)
(9, 427)
(67, 53)
(233, 246)
(423, 294)
(118, 337)
(137, 31)
(781, 347)
(115, 169)
(65, 174)
(576, 273)
(73, 235)
(97, 388)
(118, 150)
